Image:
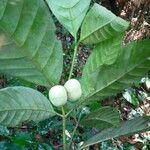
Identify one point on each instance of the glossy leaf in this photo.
(100, 80)
(28, 46)
(100, 24)
(102, 118)
(19, 104)
(70, 13)
(130, 127)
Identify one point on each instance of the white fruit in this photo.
(58, 95)
(147, 82)
(73, 89)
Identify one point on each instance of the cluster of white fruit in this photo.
(59, 94)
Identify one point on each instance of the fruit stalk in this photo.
(64, 128)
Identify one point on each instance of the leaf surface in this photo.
(28, 45)
(70, 13)
(100, 80)
(130, 127)
(100, 24)
(19, 104)
(102, 118)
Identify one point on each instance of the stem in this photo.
(64, 128)
(74, 131)
(59, 114)
(73, 60)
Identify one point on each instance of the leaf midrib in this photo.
(99, 119)
(72, 23)
(23, 109)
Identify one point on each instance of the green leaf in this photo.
(28, 45)
(23, 139)
(130, 96)
(19, 104)
(102, 118)
(100, 24)
(70, 13)
(105, 53)
(108, 51)
(101, 81)
(130, 127)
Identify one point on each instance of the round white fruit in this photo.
(73, 88)
(58, 95)
(147, 82)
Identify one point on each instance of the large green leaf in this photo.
(100, 80)
(28, 46)
(102, 118)
(100, 24)
(70, 13)
(20, 104)
(127, 128)
(105, 53)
